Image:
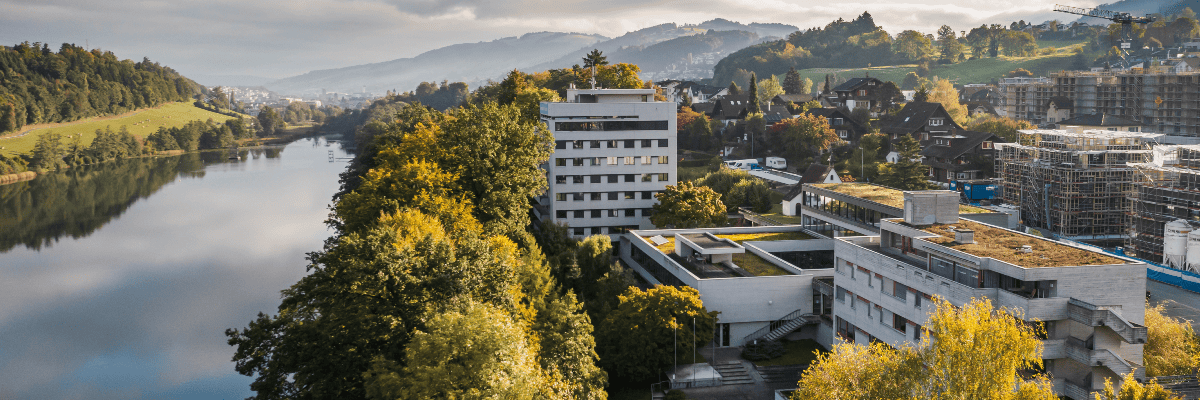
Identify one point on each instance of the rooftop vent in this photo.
(964, 236)
(1025, 249)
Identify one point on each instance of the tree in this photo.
(943, 92)
(48, 152)
(768, 89)
(1019, 72)
(946, 367)
(1172, 347)
(913, 45)
(1017, 43)
(688, 206)
(477, 352)
(1004, 127)
(792, 83)
(752, 192)
(911, 81)
(908, 173)
(951, 48)
(620, 76)
(754, 106)
(734, 90)
(639, 338)
(269, 120)
(1131, 389)
(595, 58)
(889, 96)
(804, 136)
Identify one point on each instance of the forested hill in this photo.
(38, 85)
(842, 43)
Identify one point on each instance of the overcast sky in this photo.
(281, 38)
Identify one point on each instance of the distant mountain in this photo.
(230, 80)
(656, 49)
(469, 62)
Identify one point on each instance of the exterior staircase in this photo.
(783, 326)
(733, 373)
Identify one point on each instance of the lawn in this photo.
(756, 265)
(982, 70)
(799, 352)
(140, 123)
(766, 236)
(776, 215)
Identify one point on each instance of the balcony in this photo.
(1092, 315)
(1081, 352)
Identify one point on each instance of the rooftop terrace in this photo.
(747, 262)
(1003, 244)
(883, 195)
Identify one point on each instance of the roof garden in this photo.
(748, 264)
(1004, 245)
(883, 195)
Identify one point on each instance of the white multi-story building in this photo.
(614, 150)
(1091, 304)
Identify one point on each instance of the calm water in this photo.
(119, 280)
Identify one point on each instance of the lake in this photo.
(119, 280)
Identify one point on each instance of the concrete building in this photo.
(1091, 304)
(614, 150)
(766, 281)
(1164, 101)
(1025, 98)
(855, 209)
(1167, 192)
(1074, 184)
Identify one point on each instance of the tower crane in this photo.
(1125, 19)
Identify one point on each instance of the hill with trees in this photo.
(39, 85)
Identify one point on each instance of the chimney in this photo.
(964, 236)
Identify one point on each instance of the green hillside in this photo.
(984, 70)
(140, 123)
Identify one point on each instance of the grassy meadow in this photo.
(140, 123)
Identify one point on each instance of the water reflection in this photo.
(151, 261)
(75, 202)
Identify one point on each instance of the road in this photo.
(1177, 302)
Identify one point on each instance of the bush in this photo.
(675, 394)
(764, 350)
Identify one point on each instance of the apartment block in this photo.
(1075, 184)
(1025, 98)
(1165, 101)
(614, 150)
(1167, 192)
(1090, 304)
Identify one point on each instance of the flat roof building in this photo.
(614, 150)
(1091, 304)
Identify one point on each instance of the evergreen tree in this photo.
(792, 82)
(734, 90)
(908, 173)
(754, 106)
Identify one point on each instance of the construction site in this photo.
(1074, 184)
(1167, 190)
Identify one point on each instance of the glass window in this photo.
(614, 178)
(560, 214)
(612, 161)
(577, 197)
(662, 143)
(560, 144)
(612, 144)
(595, 213)
(967, 276)
(598, 161)
(629, 144)
(560, 162)
(647, 195)
(596, 196)
(578, 213)
(578, 162)
(628, 160)
(613, 195)
(664, 159)
(663, 177)
(630, 177)
(578, 144)
(595, 144)
(631, 212)
(560, 196)
(840, 294)
(647, 177)
(595, 178)
(560, 179)
(647, 160)
(646, 143)
(630, 195)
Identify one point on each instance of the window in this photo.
(577, 179)
(560, 214)
(630, 195)
(596, 196)
(612, 161)
(595, 144)
(647, 195)
(663, 159)
(597, 161)
(840, 294)
(935, 121)
(595, 213)
(843, 134)
(595, 179)
(629, 144)
(647, 160)
(612, 144)
(986, 145)
(560, 144)
(645, 98)
(611, 126)
(613, 195)
(646, 143)
(577, 144)
(614, 178)
(560, 179)
(837, 121)
(628, 160)
(646, 212)
(647, 177)
(630, 177)
(560, 162)
(662, 142)
(578, 213)
(578, 231)
(663, 177)
(560, 196)
(631, 212)
(924, 135)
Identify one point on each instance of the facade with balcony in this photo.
(614, 150)
(1091, 304)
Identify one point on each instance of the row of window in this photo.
(862, 215)
(594, 196)
(602, 161)
(886, 317)
(611, 178)
(612, 126)
(602, 230)
(966, 274)
(886, 285)
(608, 213)
(609, 144)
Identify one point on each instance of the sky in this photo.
(282, 38)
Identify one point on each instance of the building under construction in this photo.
(1167, 190)
(1074, 184)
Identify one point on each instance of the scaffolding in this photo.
(1167, 188)
(1075, 184)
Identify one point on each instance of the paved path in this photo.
(1177, 302)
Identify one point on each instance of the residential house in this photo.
(1059, 108)
(856, 93)
(730, 109)
(797, 99)
(846, 128)
(816, 173)
(923, 121)
(977, 108)
(961, 154)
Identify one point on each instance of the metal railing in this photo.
(794, 315)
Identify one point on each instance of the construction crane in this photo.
(1125, 19)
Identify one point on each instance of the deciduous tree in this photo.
(944, 93)
(1172, 347)
(908, 173)
(639, 338)
(688, 206)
